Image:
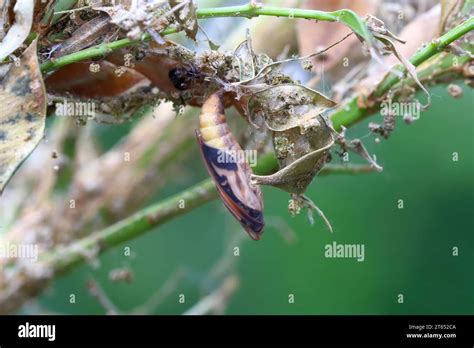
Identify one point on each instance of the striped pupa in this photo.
(231, 176)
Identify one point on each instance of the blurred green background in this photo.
(407, 251)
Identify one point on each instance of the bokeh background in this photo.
(408, 251)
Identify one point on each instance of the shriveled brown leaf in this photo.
(85, 36)
(301, 157)
(186, 16)
(421, 30)
(288, 106)
(23, 113)
(77, 80)
(20, 30)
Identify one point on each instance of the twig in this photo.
(330, 169)
(161, 294)
(64, 259)
(96, 290)
(216, 300)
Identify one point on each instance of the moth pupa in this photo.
(230, 174)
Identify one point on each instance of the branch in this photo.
(330, 169)
(65, 258)
(351, 112)
(249, 10)
(215, 301)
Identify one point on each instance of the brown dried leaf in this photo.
(289, 105)
(411, 69)
(20, 30)
(421, 30)
(23, 113)
(85, 36)
(78, 81)
(301, 157)
(186, 16)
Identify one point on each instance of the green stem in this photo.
(427, 52)
(247, 11)
(351, 112)
(155, 215)
(94, 52)
(251, 10)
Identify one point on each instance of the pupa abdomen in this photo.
(231, 175)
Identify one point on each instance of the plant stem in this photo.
(427, 52)
(351, 112)
(155, 215)
(64, 259)
(249, 10)
(252, 10)
(95, 51)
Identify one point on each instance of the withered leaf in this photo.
(300, 157)
(23, 113)
(288, 106)
(85, 36)
(244, 60)
(186, 16)
(19, 30)
(411, 69)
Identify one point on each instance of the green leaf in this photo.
(355, 23)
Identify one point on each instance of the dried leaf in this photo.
(411, 69)
(244, 60)
(20, 30)
(85, 36)
(421, 30)
(23, 113)
(186, 16)
(288, 106)
(301, 157)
